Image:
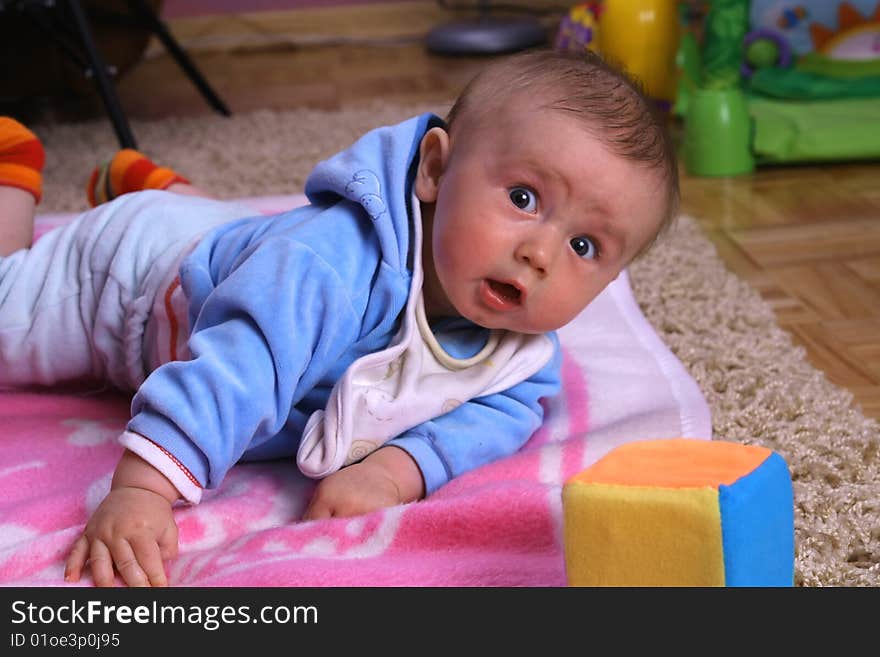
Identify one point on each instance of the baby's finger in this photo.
(150, 559)
(168, 542)
(76, 559)
(127, 564)
(101, 563)
(317, 511)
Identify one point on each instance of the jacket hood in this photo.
(377, 173)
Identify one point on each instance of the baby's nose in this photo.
(538, 252)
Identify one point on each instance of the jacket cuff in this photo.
(161, 459)
(434, 470)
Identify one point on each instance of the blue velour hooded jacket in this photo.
(280, 306)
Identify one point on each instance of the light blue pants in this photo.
(76, 304)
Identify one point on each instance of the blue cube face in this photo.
(757, 526)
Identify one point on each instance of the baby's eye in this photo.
(585, 247)
(524, 198)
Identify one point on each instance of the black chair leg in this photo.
(140, 8)
(79, 35)
(105, 85)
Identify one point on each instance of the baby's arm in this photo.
(387, 477)
(482, 430)
(133, 529)
(424, 458)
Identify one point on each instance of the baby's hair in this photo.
(612, 106)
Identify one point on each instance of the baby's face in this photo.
(533, 218)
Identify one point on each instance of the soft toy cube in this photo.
(681, 512)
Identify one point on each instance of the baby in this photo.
(392, 334)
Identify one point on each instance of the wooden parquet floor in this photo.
(806, 237)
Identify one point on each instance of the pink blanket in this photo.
(500, 525)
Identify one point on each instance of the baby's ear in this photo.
(433, 153)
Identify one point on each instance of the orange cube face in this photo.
(681, 512)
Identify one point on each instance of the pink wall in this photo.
(178, 8)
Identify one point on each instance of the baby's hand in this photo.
(385, 478)
(351, 491)
(134, 530)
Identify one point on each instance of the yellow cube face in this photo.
(618, 535)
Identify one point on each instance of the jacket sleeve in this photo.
(262, 337)
(483, 429)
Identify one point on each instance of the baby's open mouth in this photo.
(506, 291)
